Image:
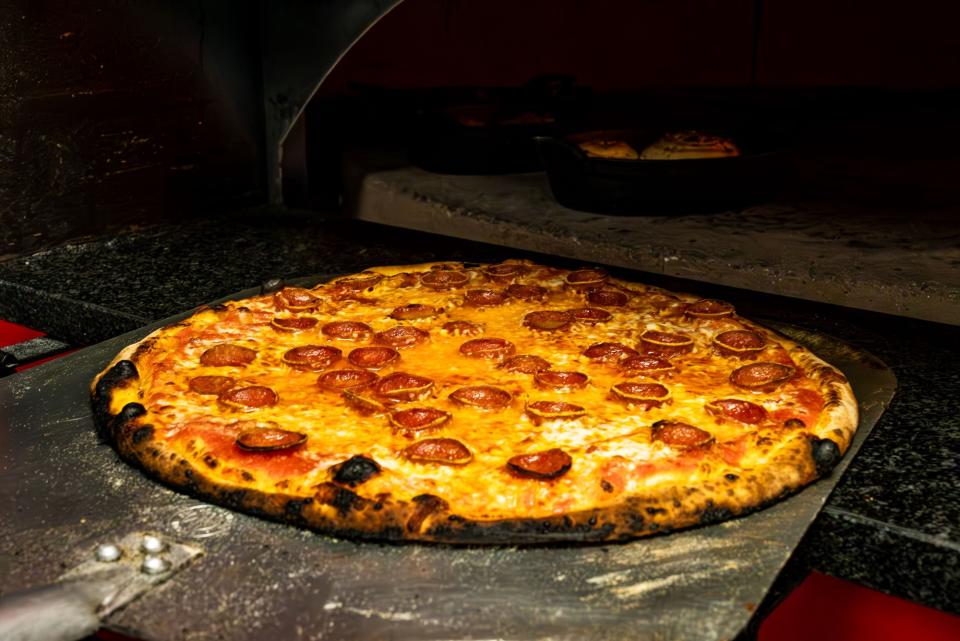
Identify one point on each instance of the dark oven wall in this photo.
(842, 70)
(125, 112)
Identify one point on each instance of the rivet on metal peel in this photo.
(108, 553)
(152, 544)
(154, 565)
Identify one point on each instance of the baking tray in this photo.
(625, 187)
(63, 491)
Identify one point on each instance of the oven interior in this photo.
(142, 112)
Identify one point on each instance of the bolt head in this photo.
(152, 544)
(154, 565)
(108, 553)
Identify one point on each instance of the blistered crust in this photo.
(344, 510)
(339, 510)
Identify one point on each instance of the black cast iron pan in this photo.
(645, 187)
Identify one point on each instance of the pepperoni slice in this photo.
(463, 328)
(709, 308)
(525, 364)
(211, 384)
(343, 379)
(414, 311)
(249, 397)
(373, 357)
(505, 272)
(647, 365)
(403, 386)
(549, 410)
(642, 395)
(608, 352)
(663, 344)
(347, 330)
(488, 348)
(444, 279)
(269, 439)
(484, 298)
(402, 336)
(227, 354)
(743, 411)
(548, 320)
(296, 299)
(762, 376)
(590, 315)
(739, 343)
(680, 434)
(561, 381)
(607, 298)
(448, 451)
(586, 278)
(312, 357)
(526, 292)
(293, 323)
(415, 421)
(549, 464)
(363, 403)
(361, 281)
(485, 397)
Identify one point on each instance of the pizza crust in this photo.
(676, 501)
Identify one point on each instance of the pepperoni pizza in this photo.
(502, 403)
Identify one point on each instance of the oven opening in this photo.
(476, 121)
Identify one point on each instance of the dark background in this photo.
(125, 112)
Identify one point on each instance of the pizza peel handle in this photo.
(59, 612)
(73, 606)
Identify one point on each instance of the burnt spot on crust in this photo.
(234, 499)
(129, 412)
(293, 510)
(426, 504)
(340, 498)
(355, 470)
(143, 348)
(635, 521)
(826, 454)
(555, 529)
(143, 434)
(125, 418)
(117, 376)
(715, 514)
(832, 398)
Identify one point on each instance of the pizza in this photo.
(690, 145)
(609, 149)
(468, 403)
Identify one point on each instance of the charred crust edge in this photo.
(826, 454)
(119, 375)
(433, 520)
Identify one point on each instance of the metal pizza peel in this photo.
(62, 490)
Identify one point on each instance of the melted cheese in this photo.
(612, 442)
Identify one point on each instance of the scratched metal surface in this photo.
(62, 491)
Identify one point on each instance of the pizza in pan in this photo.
(463, 403)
